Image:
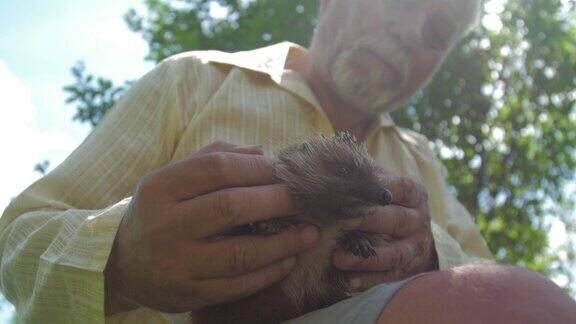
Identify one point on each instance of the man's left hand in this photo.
(407, 221)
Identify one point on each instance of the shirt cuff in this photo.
(74, 263)
(449, 252)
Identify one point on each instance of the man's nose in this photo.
(407, 31)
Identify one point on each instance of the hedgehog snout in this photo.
(384, 197)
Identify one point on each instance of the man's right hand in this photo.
(165, 255)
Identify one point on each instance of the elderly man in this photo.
(75, 249)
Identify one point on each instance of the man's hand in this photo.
(407, 220)
(165, 255)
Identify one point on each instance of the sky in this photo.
(39, 42)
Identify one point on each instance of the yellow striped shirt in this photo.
(55, 237)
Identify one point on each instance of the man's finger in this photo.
(205, 173)
(216, 146)
(397, 255)
(243, 254)
(218, 211)
(229, 289)
(222, 146)
(393, 220)
(405, 191)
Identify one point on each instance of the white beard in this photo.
(373, 91)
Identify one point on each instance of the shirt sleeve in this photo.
(457, 239)
(56, 236)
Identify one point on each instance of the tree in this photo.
(93, 96)
(500, 113)
(42, 167)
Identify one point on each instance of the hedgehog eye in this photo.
(342, 170)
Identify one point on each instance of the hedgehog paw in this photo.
(360, 244)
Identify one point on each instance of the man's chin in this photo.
(370, 104)
(364, 94)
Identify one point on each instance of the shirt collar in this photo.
(271, 61)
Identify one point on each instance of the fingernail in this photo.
(354, 284)
(352, 223)
(309, 234)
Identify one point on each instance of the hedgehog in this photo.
(335, 180)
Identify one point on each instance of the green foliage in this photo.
(93, 96)
(42, 167)
(500, 112)
(176, 26)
